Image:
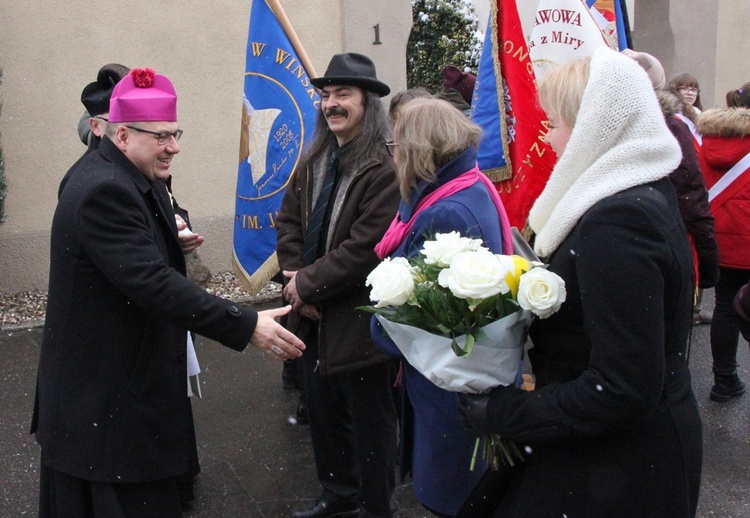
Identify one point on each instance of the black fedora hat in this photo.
(352, 69)
(95, 96)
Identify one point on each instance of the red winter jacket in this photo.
(726, 141)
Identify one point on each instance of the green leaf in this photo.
(443, 329)
(469, 343)
(456, 349)
(480, 335)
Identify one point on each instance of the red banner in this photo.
(525, 124)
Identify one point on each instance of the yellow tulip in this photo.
(521, 266)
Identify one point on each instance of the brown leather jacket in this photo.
(366, 203)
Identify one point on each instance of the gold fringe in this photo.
(499, 174)
(527, 233)
(257, 281)
(500, 87)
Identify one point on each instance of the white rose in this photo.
(444, 248)
(391, 282)
(474, 275)
(541, 291)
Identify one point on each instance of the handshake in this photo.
(273, 338)
(269, 335)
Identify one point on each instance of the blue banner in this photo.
(486, 109)
(278, 116)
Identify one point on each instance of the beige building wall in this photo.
(684, 35)
(732, 49)
(50, 50)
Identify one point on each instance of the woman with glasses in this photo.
(686, 88)
(686, 85)
(442, 190)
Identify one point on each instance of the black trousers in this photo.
(353, 428)
(725, 331)
(65, 496)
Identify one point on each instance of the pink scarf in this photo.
(399, 229)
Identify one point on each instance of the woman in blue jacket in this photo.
(442, 190)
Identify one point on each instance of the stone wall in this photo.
(50, 50)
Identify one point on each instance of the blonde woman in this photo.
(612, 428)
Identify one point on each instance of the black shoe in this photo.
(302, 417)
(726, 387)
(324, 508)
(185, 491)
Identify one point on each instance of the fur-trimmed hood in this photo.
(725, 123)
(726, 141)
(670, 104)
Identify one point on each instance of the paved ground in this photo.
(257, 464)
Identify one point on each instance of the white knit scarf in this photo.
(619, 140)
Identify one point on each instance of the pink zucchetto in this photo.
(141, 96)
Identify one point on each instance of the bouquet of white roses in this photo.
(457, 289)
(460, 314)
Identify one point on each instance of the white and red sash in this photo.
(697, 138)
(730, 183)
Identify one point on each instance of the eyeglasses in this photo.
(688, 90)
(161, 138)
(99, 117)
(390, 146)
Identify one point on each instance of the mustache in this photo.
(336, 110)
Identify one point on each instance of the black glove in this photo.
(708, 270)
(473, 408)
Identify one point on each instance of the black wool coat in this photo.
(111, 401)
(612, 428)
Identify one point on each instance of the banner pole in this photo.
(278, 11)
(626, 24)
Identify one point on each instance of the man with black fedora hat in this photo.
(337, 208)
